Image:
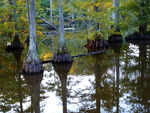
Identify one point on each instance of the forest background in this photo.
(132, 15)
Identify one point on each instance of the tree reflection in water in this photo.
(140, 85)
(116, 47)
(62, 71)
(34, 82)
(17, 54)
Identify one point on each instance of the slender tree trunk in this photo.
(32, 63)
(16, 24)
(73, 25)
(51, 11)
(53, 44)
(97, 10)
(113, 14)
(10, 17)
(117, 16)
(27, 1)
(62, 45)
(142, 18)
(16, 44)
(62, 56)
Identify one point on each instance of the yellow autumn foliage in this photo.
(39, 33)
(47, 56)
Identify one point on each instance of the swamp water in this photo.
(115, 81)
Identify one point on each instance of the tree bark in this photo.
(62, 45)
(16, 24)
(117, 16)
(32, 63)
(15, 15)
(62, 56)
(16, 44)
(27, 1)
(96, 8)
(51, 11)
(142, 18)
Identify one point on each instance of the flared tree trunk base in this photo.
(15, 46)
(115, 38)
(97, 45)
(138, 36)
(32, 67)
(62, 58)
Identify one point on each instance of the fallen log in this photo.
(43, 62)
(49, 23)
(89, 54)
(50, 33)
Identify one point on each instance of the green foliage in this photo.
(96, 14)
(96, 36)
(134, 13)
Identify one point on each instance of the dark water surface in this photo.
(116, 81)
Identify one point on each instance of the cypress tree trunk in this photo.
(117, 16)
(96, 8)
(116, 37)
(51, 10)
(62, 46)
(16, 44)
(143, 18)
(10, 17)
(27, 1)
(62, 55)
(16, 25)
(32, 63)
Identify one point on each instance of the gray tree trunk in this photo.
(32, 63)
(142, 17)
(16, 24)
(16, 44)
(63, 56)
(73, 25)
(113, 14)
(51, 11)
(62, 45)
(117, 16)
(28, 9)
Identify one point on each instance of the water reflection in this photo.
(116, 81)
(116, 47)
(141, 84)
(34, 82)
(99, 88)
(62, 71)
(17, 54)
